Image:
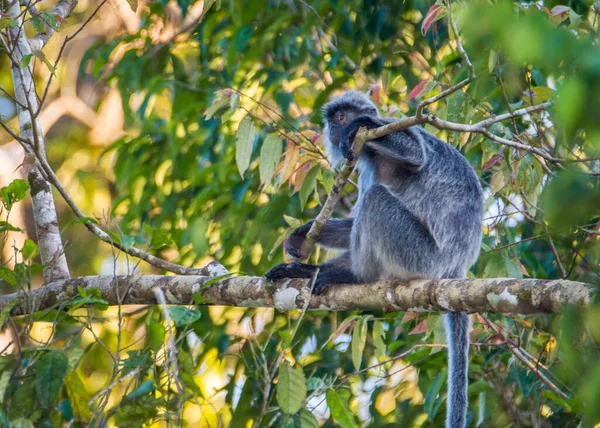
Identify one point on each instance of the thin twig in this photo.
(521, 356)
(172, 359)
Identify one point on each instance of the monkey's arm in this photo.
(335, 235)
(405, 146)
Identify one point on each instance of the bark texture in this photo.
(516, 296)
(44, 210)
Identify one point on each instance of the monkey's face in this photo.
(339, 113)
(335, 123)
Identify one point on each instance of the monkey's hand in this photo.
(293, 245)
(349, 133)
(291, 270)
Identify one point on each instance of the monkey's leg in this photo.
(334, 271)
(389, 242)
(335, 235)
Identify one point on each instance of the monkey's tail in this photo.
(458, 326)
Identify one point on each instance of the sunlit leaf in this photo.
(244, 144)
(432, 15)
(270, 153)
(421, 89)
(30, 249)
(292, 153)
(182, 316)
(359, 339)
(340, 412)
(379, 339)
(308, 185)
(291, 388)
(78, 397)
(7, 227)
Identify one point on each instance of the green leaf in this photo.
(292, 222)
(244, 143)
(308, 185)
(7, 227)
(8, 275)
(183, 316)
(50, 372)
(30, 249)
(431, 398)
(5, 313)
(216, 106)
(158, 237)
(315, 383)
(25, 61)
(340, 412)
(379, 339)
(155, 335)
(212, 281)
(291, 389)
(14, 192)
(78, 397)
(42, 57)
(270, 153)
(4, 382)
(143, 389)
(51, 20)
(359, 339)
(306, 420)
(38, 24)
(6, 22)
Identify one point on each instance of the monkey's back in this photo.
(446, 197)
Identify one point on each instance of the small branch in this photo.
(63, 9)
(459, 44)
(212, 269)
(62, 49)
(521, 356)
(172, 358)
(443, 94)
(501, 295)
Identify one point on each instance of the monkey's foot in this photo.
(291, 270)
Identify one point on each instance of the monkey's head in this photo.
(338, 113)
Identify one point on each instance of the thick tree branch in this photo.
(44, 211)
(517, 296)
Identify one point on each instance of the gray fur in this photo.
(418, 215)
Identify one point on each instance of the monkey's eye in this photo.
(340, 117)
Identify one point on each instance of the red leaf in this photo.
(417, 90)
(430, 17)
(409, 316)
(420, 328)
(557, 10)
(300, 175)
(28, 163)
(493, 161)
(522, 268)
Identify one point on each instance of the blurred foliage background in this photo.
(141, 124)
